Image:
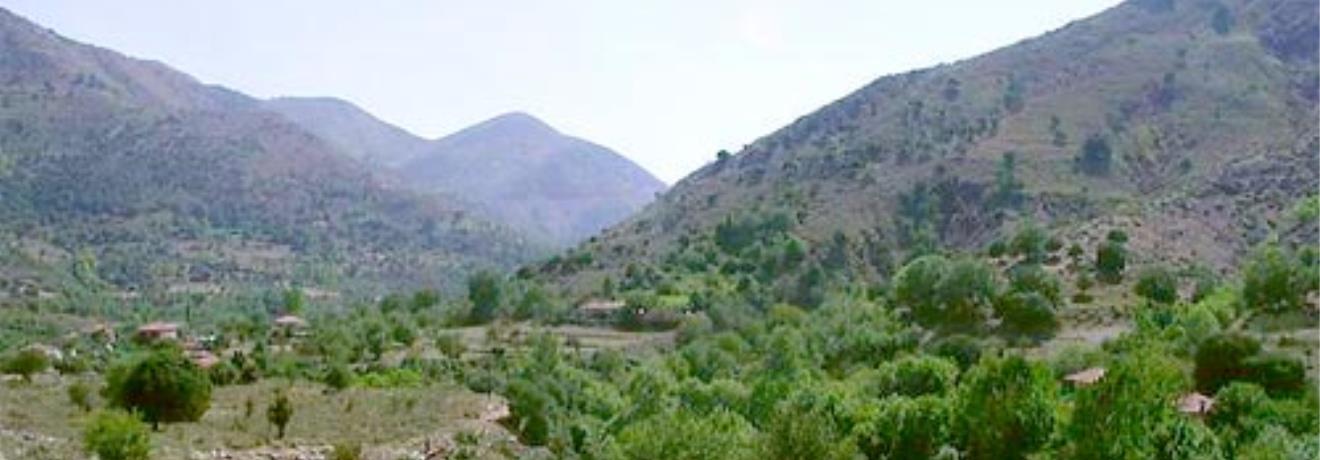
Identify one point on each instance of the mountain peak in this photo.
(517, 123)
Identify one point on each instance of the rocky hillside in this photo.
(525, 174)
(1185, 122)
(135, 176)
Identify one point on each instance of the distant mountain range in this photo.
(513, 169)
(1190, 124)
(125, 174)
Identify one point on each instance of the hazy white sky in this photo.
(666, 83)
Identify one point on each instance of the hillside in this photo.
(351, 129)
(1190, 124)
(160, 183)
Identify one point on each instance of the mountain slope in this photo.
(526, 174)
(168, 183)
(1184, 121)
(351, 129)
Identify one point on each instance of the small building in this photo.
(600, 308)
(158, 330)
(1085, 377)
(290, 322)
(1196, 404)
(203, 359)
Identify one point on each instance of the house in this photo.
(598, 310)
(1085, 377)
(203, 359)
(290, 322)
(158, 330)
(1195, 404)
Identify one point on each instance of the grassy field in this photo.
(38, 422)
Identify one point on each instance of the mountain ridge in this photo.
(1146, 111)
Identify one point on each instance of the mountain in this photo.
(1183, 122)
(135, 176)
(513, 169)
(351, 129)
(529, 176)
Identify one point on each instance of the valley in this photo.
(1099, 243)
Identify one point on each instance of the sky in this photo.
(665, 83)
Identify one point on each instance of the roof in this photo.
(1086, 377)
(601, 305)
(204, 359)
(290, 320)
(158, 326)
(1195, 403)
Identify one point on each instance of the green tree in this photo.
(900, 427)
(1274, 281)
(484, 293)
(424, 299)
(1157, 284)
(683, 435)
(1030, 242)
(294, 301)
(164, 386)
(1008, 188)
(1123, 415)
(280, 412)
(916, 284)
(1110, 261)
(1222, 359)
(1006, 408)
(117, 435)
(966, 294)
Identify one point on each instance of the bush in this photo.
(1222, 359)
(959, 348)
(1279, 374)
(338, 376)
(1110, 261)
(27, 363)
(1096, 158)
(451, 345)
(1157, 284)
(1027, 314)
(116, 435)
(80, 395)
(903, 427)
(1274, 281)
(346, 451)
(916, 376)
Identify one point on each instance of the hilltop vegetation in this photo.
(1191, 124)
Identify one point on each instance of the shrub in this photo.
(1222, 359)
(346, 451)
(116, 435)
(902, 427)
(338, 376)
(27, 363)
(80, 395)
(1110, 261)
(1096, 157)
(916, 376)
(1274, 281)
(1279, 374)
(1157, 284)
(451, 345)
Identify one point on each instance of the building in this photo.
(1196, 404)
(1085, 377)
(158, 330)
